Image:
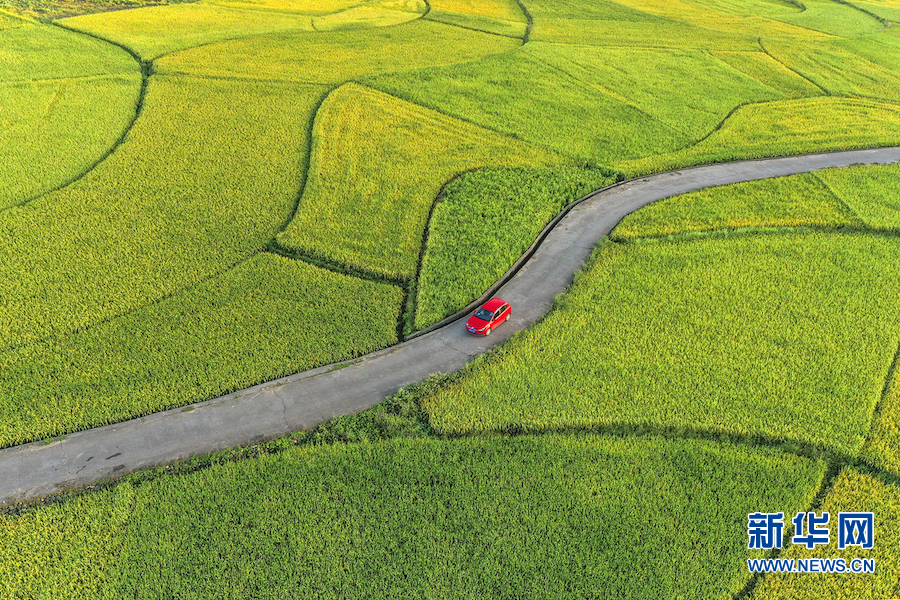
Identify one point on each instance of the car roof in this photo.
(493, 304)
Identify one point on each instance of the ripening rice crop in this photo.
(503, 17)
(834, 18)
(64, 551)
(9, 21)
(513, 29)
(864, 67)
(799, 200)
(652, 35)
(785, 336)
(700, 90)
(308, 7)
(263, 319)
(53, 130)
(597, 104)
(506, 10)
(371, 214)
(852, 492)
(523, 517)
(205, 178)
(886, 9)
(35, 51)
(484, 221)
(697, 11)
(157, 30)
(872, 193)
(768, 71)
(883, 445)
(381, 13)
(337, 56)
(785, 127)
(66, 99)
(616, 24)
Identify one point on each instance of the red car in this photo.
(488, 316)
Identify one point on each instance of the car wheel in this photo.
(487, 331)
(507, 317)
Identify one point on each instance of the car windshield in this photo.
(483, 314)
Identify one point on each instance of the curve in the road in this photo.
(306, 399)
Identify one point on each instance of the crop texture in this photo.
(334, 57)
(66, 99)
(552, 95)
(785, 336)
(53, 131)
(207, 175)
(537, 517)
(853, 491)
(870, 192)
(263, 319)
(371, 215)
(158, 30)
(280, 170)
(796, 201)
(483, 223)
(784, 127)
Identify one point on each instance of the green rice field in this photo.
(372, 216)
(462, 518)
(186, 188)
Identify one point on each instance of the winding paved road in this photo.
(311, 397)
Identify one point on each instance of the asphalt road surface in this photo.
(306, 399)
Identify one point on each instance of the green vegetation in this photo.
(521, 516)
(47, 10)
(848, 68)
(33, 52)
(835, 18)
(502, 17)
(870, 192)
(377, 13)
(506, 10)
(64, 551)
(796, 201)
(337, 56)
(52, 131)
(883, 445)
(787, 127)
(513, 29)
(371, 214)
(886, 9)
(643, 24)
(159, 30)
(145, 285)
(66, 100)
(8, 21)
(784, 336)
(856, 196)
(551, 95)
(852, 492)
(206, 177)
(483, 223)
(265, 318)
(770, 72)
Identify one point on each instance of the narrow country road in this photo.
(311, 397)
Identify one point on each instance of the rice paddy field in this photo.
(186, 188)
